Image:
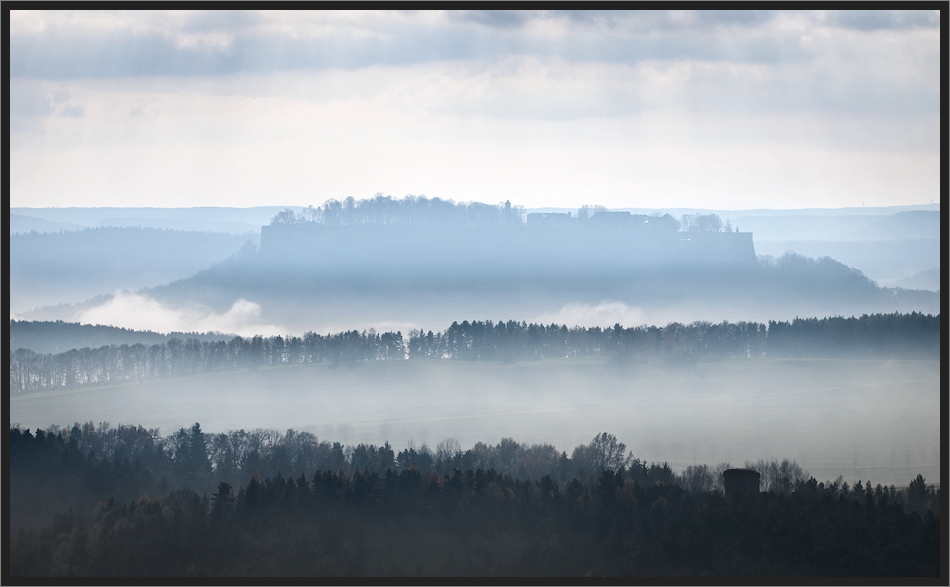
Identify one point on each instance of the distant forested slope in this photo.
(25, 224)
(822, 225)
(885, 261)
(299, 286)
(59, 336)
(70, 266)
(417, 261)
(194, 219)
(926, 279)
(886, 248)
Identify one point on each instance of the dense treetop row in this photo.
(141, 460)
(420, 211)
(408, 520)
(411, 210)
(892, 335)
(880, 335)
(63, 336)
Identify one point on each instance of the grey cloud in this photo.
(73, 111)
(54, 54)
(60, 97)
(699, 20)
(801, 89)
(615, 37)
(29, 107)
(630, 20)
(117, 55)
(871, 20)
(738, 17)
(217, 20)
(505, 19)
(28, 101)
(126, 55)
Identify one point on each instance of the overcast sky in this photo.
(722, 110)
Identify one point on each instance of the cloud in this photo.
(64, 44)
(556, 104)
(872, 20)
(29, 101)
(30, 106)
(505, 19)
(139, 312)
(73, 111)
(604, 314)
(522, 64)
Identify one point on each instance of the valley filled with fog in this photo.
(475, 293)
(309, 271)
(863, 419)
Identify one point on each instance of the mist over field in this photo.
(867, 419)
(658, 293)
(415, 265)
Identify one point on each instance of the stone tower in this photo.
(741, 482)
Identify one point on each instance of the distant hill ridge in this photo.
(201, 219)
(72, 265)
(59, 336)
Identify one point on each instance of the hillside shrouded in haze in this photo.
(409, 263)
(682, 393)
(402, 268)
(630, 253)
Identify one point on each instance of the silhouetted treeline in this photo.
(410, 210)
(914, 335)
(469, 522)
(144, 461)
(125, 461)
(62, 336)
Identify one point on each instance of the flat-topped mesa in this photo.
(615, 242)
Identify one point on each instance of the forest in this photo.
(94, 500)
(56, 336)
(262, 503)
(410, 210)
(913, 335)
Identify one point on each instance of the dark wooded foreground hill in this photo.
(629, 521)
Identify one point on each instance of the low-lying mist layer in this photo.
(866, 418)
(141, 312)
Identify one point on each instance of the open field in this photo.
(863, 419)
